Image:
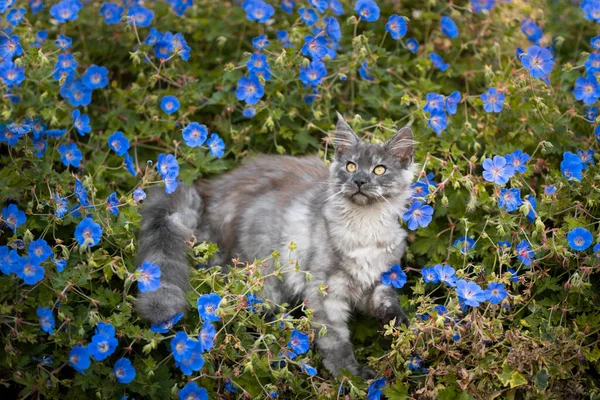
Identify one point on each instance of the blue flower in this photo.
(396, 26)
(492, 100)
(592, 65)
(299, 342)
(367, 10)
(445, 274)
(448, 27)
(549, 190)
(15, 16)
(438, 62)
(429, 275)
(586, 89)
(10, 46)
(591, 10)
(249, 89)
(482, 5)
(260, 42)
(313, 74)
(571, 166)
(418, 214)
(182, 346)
(81, 122)
(412, 45)
(531, 30)
(333, 29)
(11, 75)
(148, 277)
(29, 270)
(88, 233)
(39, 251)
(258, 10)
(105, 329)
(207, 307)
(216, 146)
(102, 346)
(60, 265)
(169, 104)
(464, 244)
(257, 64)
(452, 102)
(320, 5)
(438, 121)
(435, 102)
(66, 10)
(40, 38)
(596, 250)
(518, 160)
(587, 157)
(171, 183)
(207, 336)
(112, 203)
(395, 277)
(124, 371)
(95, 77)
(230, 387)
(497, 171)
(118, 143)
(252, 300)
(154, 36)
(579, 239)
(524, 253)
(249, 112)
(310, 371)
(531, 201)
(538, 61)
(165, 326)
(195, 134)
(415, 362)
(288, 6)
(79, 358)
(129, 165)
(111, 12)
(495, 293)
(70, 155)
(46, 320)
(364, 73)
(63, 42)
(9, 260)
(595, 42)
(374, 390)
(76, 93)
(140, 16)
(308, 16)
(192, 363)
(81, 193)
(419, 189)
(66, 62)
(167, 164)
(36, 6)
(315, 47)
(470, 293)
(170, 44)
(191, 391)
(284, 38)
(510, 199)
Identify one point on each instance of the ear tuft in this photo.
(345, 138)
(402, 145)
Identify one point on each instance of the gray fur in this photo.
(345, 239)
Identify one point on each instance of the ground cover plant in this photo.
(101, 101)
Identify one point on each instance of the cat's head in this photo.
(365, 173)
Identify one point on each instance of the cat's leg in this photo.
(169, 221)
(382, 303)
(335, 346)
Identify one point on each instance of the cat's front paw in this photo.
(162, 304)
(366, 373)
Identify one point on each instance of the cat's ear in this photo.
(402, 145)
(345, 138)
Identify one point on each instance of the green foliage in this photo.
(541, 341)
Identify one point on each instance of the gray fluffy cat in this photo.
(344, 219)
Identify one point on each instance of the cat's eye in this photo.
(379, 170)
(351, 167)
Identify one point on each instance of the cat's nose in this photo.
(359, 180)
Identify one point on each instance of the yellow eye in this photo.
(350, 167)
(379, 170)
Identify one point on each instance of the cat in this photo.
(344, 220)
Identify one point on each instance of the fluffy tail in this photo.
(168, 221)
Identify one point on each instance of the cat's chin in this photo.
(361, 199)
